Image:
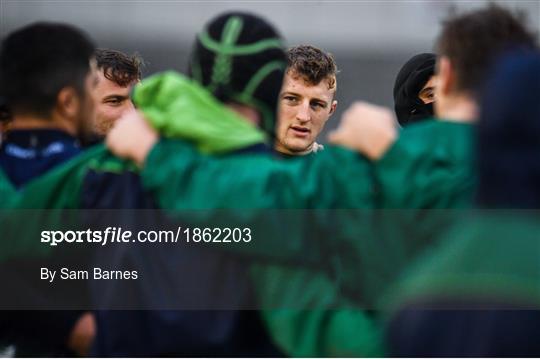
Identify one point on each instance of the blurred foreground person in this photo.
(48, 87)
(476, 294)
(462, 74)
(49, 116)
(307, 100)
(117, 74)
(414, 89)
(233, 91)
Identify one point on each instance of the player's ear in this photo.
(333, 107)
(446, 75)
(68, 102)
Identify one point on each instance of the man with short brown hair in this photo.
(306, 100)
(118, 73)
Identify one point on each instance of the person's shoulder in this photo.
(436, 133)
(435, 125)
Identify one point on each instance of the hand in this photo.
(132, 137)
(366, 128)
(83, 334)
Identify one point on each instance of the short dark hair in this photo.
(312, 64)
(118, 67)
(473, 41)
(37, 61)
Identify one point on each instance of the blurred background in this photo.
(370, 40)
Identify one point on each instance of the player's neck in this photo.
(459, 108)
(32, 122)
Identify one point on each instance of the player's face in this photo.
(302, 114)
(112, 101)
(427, 93)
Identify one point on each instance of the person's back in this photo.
(214, 326)
(476, 293)
(47, 86)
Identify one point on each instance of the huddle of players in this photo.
(305, 102)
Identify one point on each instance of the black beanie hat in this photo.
(509, 134)
(239, 57)
(409, 81)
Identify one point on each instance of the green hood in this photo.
(180, 108)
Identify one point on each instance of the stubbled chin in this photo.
(298, 145)
(103, 127)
